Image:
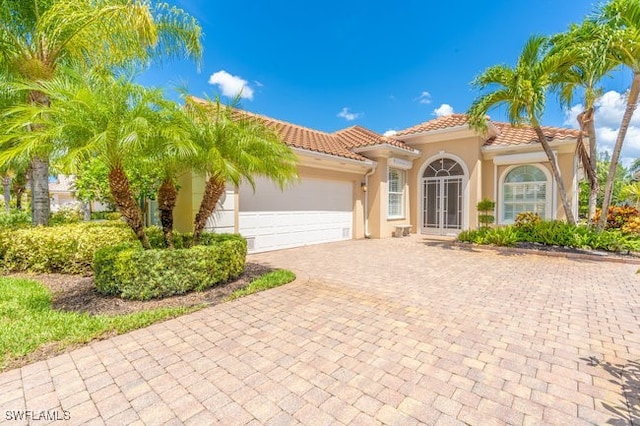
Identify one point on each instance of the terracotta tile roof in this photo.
(509, 135)
(357, 136)
(445, 122)
(338, 144)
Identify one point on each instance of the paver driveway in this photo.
(397, 331)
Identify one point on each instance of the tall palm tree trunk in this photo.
(556, 174)
(589, 158)
(121, 192)
(594, 187)
(167, 195)
(40, 204)
(632, 103)
(213, 190)
(6, 183)
(18, 186)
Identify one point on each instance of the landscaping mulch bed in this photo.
(77, 293)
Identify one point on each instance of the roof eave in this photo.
(431, 132)
(388, 147)
(340, 161)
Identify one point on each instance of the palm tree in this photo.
(37, 36)
(173, 153)
(582, 53)
(233, 146)
(523, 91)
(622, 20)
(109, 119)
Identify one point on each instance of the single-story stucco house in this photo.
(355, 183)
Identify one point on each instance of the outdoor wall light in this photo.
(363, 186)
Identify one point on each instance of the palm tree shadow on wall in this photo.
(627, 376)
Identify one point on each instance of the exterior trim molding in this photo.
(465, 185)
(550, 204)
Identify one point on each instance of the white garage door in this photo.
(312, 211)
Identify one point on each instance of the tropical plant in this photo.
(631, 193)
(91, 183)
(232, 146)
(486, 208)
(602, 172)
(522, 89)
(584, 62)
(38, 36)
(173, 156)
(101, 117)
(622, 20)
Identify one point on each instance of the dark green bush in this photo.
(130, 272)
(105, 215)
(65, 249)
(183, 240)
(14, 218)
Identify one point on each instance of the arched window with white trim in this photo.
(525, 189)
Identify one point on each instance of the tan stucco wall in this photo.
(377, 196)
(566, 163)
(186, 203)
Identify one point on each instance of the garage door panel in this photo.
(311, 212)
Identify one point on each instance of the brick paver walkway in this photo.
(396, 331)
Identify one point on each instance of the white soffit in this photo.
(399, 163)
(529, 157)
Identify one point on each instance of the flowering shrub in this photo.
(618, 216)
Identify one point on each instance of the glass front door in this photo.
(442, 197)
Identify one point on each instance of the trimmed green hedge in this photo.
(130, 272)
(67, 249)
(554, 233)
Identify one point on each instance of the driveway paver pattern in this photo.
(397, 331)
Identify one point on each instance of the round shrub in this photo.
(67, 249)
(128, 271)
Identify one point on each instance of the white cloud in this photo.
(424, 98)
(442, 110)
(390, 132)
(231, 85)
(347, 115)
(571, 116)
(610, 108)
(257, 83)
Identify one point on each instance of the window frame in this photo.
(548, 192)
(402, 174)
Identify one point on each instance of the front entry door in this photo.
(442, 203)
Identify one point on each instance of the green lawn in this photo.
(28, 321)
(270, 280)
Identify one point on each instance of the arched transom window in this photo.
(443, 167)
(525, 189)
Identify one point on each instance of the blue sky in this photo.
(382, 65)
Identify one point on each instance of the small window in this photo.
(396, 194)
(524, 190)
